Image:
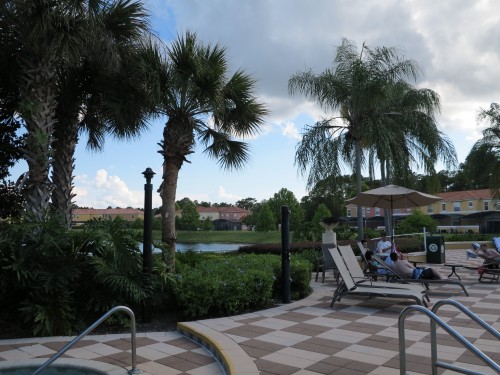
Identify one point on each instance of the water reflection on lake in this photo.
(198, 247)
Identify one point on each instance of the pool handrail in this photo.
(434, 319)
(467, 312)
(69, 345)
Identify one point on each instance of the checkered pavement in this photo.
(359, 335)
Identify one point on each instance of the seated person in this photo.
(472, 253)
(371, 264)
(406, 269)
(383, 246)
(490, 255)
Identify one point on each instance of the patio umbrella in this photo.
(393, 196)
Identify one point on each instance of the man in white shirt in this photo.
(384, 245)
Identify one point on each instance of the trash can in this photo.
(435, 249)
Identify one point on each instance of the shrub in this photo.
(225, 285)
(232, 284)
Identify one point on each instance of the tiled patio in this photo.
(357, 336)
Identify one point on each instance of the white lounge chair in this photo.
(349, 287)
(360, 279)
(424, 282)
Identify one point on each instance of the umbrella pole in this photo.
(392, 227)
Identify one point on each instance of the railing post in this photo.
(147, 252)
(285, 253)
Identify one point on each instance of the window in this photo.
(456, 206)
(348, 212)
(443, 206)
(235, 216)
(430, 209)
(398, 210)
(486, 205)
(471, 204)
(377, 211)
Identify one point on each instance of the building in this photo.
(458, 211)
(81, 215)
(222, 218)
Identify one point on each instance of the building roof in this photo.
(231, 209)
(106, 211)
(465, 195)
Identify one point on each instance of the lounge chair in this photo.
(325, 262)
(360, 278)
(424, 282)
(349, 287)
(489, 271)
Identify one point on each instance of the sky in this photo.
(457, 44)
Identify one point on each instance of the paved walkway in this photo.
(307, 337)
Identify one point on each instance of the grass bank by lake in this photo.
(224, 236)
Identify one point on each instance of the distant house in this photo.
(458, 211)
(81, 215)
(223, 218)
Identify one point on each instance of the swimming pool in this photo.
(63, 366)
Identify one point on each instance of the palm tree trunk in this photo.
(357, 161)
(66, 139)
(168, 190)
(387, 212)
(38, 88)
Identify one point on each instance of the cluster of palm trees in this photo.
(95, 66)
(382, 118)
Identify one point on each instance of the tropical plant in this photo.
(107, 92)
(71, 63)
(37, 36)
(414, 223)
(321, 213)
(285, 197)
(200, 100)
(360, 88)
(265, 221)
(491, 141)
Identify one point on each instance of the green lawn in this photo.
(229, 236)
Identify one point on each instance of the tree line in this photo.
(71, 67)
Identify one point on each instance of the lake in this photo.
(199, 247)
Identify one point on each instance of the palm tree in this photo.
(359, 88)
(409, 136)
(54, 47)
(491, 141)
(202, 103)
(102, 94)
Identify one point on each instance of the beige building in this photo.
(458, 211)
(81, 215)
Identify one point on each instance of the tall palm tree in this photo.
(358, 87)
(105, 93)
(55, 47)
(202, 104)
(491, 141)
(409, 136)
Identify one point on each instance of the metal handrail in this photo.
(435, 363)
(467, 312)
(134, 369)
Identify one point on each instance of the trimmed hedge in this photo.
(229, 285)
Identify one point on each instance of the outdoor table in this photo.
(453, 269)
(415, 262)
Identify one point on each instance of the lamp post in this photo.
(147, 252)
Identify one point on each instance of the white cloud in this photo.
(289, 129)
(225, 196)
(108, 191)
